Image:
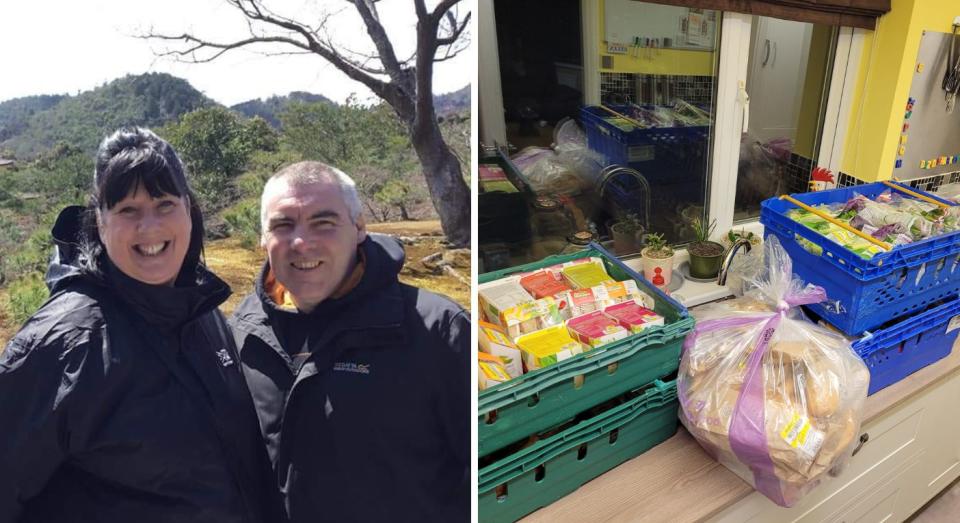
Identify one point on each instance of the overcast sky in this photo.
(62, 47)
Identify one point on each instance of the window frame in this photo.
(731, 73)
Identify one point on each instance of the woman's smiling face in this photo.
(145, 237)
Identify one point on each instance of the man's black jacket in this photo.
(121, 401)
(374, 425)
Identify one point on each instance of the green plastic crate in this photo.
(549, 396)
(554, 467)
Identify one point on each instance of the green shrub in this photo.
(27, 294)
(243, 220)
(32, 256)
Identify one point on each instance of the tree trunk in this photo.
(448, 190)
(404, 214)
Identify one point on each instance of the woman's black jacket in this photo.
(121, 401)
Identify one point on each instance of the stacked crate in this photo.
(902, 305)
(547, 432)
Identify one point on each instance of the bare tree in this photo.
(406, 84)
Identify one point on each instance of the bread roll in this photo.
(822, 393)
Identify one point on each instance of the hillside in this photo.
(453, 103)
(35, 124)
(270, 108)
(15, 114)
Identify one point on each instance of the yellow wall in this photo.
(656, 61)
(883, 84)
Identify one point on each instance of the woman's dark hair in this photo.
(134, 158)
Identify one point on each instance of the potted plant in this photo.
(705, 255)
(627, 234)
(657, 260)
(733, 235)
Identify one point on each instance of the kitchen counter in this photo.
(677, 481)
(691, 293)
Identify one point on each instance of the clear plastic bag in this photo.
(772, 396)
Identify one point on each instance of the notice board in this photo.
(930, 138)
(685, 28)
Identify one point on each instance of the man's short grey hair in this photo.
(305, 173)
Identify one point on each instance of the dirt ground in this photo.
(239, 266)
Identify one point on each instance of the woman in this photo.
(121, 398)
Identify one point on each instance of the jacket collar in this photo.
(167, 307)
(368, 316)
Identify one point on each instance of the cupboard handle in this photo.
(863, 439)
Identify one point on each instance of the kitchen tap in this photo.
(722, 275)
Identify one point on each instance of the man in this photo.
(361, 382)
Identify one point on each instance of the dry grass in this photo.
(7, 329)
(427, 227)
(236, 265)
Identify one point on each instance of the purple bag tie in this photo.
(747, 433)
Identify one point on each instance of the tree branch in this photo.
(443, 7)
(456, 33)
(371, 19)
(449, 54)
(253, 10)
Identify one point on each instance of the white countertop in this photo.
(690, 293)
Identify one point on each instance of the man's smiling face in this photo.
(310, 238)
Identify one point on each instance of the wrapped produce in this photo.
(775, 398)
(889, 217)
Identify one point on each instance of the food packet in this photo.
(775, 398)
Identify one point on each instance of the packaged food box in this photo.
(491, 371)
(596, 329)
(498, 296)
(491, 172)
(633, 316)
(541, 284)
(547, 346)
(494, 340)
(586, 275)
(493, 178)
(559, 267)
(531, 316)
(613, 292)
(577, 302)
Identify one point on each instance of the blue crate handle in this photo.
(872, 342)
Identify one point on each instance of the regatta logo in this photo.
(349, 366)
(225, 358)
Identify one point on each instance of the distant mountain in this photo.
(270, 108)
(33, 124)
(148, 100)
(15, 114)
(453, 103)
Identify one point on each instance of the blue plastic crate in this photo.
(864, 294)
(895, 352)
(656, 152)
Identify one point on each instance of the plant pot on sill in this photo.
(657, 259)
(626, 238)
(705, 259)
